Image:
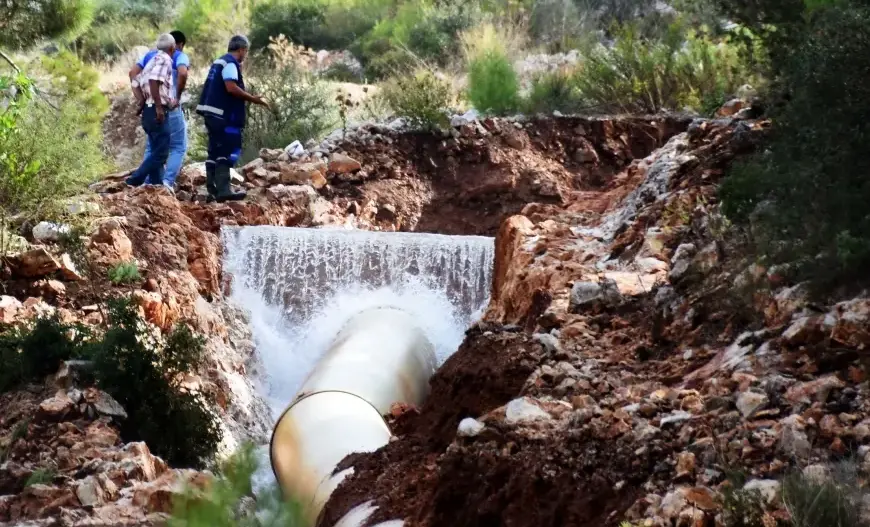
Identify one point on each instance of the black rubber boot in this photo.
(224, 191)
(210, 182)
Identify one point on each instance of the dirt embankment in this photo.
(658, 359)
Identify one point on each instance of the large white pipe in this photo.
(380, 357)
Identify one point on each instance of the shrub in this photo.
(554, 91)
(74, 83)
(318, 24)
(25, 22)
(144, 372)
(302, 108)
(677, 71)
(208, 26)
(833, 500)
(41, 476)
(29, 354)
(805, 196)
(419, 33)
(493, 86)
(223, 504)
(124, 273)
(421, 98)
(111, 39)
(46, 156)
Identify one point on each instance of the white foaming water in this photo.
(301, 286)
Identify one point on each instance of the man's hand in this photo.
(261, 101)
(161, 115)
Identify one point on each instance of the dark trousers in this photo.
(224, 142)
(159, 135)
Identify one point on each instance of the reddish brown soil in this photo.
(471, 183)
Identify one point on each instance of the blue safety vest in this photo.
(216, 101)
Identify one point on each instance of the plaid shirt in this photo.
(159, 69)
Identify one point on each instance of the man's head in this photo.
(239, 47)
(166, 42)
(180, 39)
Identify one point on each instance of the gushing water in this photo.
(300, 286)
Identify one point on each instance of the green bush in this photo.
(26, 22)
(29, 354)
(805, 195)
(421, 98)
(680, 70)
(493, 85)
(111, 39)
(833, 500)
(144, 372)
(302, 109)
(42, 476)
(554, 91)
(124, 273)
(223, 504)
(46, 155)
(76, 84)
(139, 368)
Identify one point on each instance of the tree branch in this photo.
(9, 60)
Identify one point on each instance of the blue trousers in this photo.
(177, 151)
(224, 142)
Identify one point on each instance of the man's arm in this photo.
(236, 91)
(137, 89)
(182, 80)
(154, 86)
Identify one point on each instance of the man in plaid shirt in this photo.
(157, 83)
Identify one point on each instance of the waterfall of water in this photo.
(301, 285)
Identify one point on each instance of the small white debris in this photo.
(522, 410)
(470, 427)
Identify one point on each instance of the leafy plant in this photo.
(301, 105)
(833, 501)
(493, 85)
(421, 98)
(41, 476)
(76, 84)
(803, 197)
(25, 22)
(679, 70)
(554, 91)
(224, 503)
(124, 273)
(143, 373)
(29, 353)
(44, 156)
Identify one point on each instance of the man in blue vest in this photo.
(175, 117)
(222, 105)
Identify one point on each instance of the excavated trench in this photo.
(303, 286)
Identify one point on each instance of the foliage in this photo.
(318, 24)
(223, 504)
(124, 273)
(833, 500)
(421, 98)
(553, 91)
(109, 40)
(46, 156)
(140, 369)
(41, 476)
(680, 70)
(741, 507)
(76, 84)
(493, 85)
(341, 72)
(209, 24)
(151, 12)
(144, 372)
(419, 33)
(301, 106)
(805, 195)
(26, 22)
(28, 354)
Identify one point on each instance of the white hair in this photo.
(165, 42)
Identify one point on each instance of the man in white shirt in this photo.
(158, 85)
